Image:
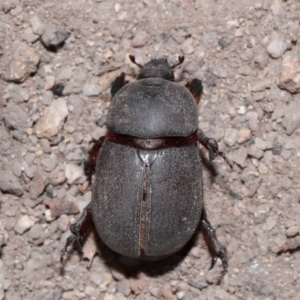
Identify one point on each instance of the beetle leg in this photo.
(212, 146)
(90, 163)
(79, 229)
(117, 84)
(196, 88)
(216, 249)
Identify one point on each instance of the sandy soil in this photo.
(57, 62)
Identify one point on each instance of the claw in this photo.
(65, 247)
(213, 262)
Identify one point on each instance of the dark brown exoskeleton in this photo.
(147, 195)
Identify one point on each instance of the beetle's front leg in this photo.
(79, 229)
(216, 249)
(196, 88)
(117, 84)
(212, 146)
(90, 163)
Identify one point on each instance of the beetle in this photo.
(147, 195)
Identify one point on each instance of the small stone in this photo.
(73, 173)
(63, 223)
(49, 162)
(261, 144)
(262, 168)
(91, 89)
(187, 46)
(15, 117)
(117, 7)
(261, 85)
(23, 63)
(255, 152)
(291, 120)
(290, 74)
(38, 27)
(29, 36)
(37, 234)
(117, 275)
(105, 278)
(54, 36)
(36, 261)
(49, 82)
(221, 294)
(24, 224)
(277, 47)
(230, 137)
(261, 59)
(224, 42)
(57, 176)
(292, 231)
(140, 39)
(270, 223)
(10, 184)
(239, 156)
(37, 184)
(243, 135)
(61, 207)
(242, 110)
(52, 121)
(180, 295)
(123, 287)
(252, 118)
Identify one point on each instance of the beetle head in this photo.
(157, 68)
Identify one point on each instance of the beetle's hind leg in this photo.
(216, 249)
(196, 88)
(79, 230)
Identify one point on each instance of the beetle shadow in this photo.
(131, 267)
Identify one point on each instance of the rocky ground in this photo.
(57, 61)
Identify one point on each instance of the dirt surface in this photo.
(57, 62)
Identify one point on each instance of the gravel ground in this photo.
(57, 62)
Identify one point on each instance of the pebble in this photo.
(261, 144)
(15, 117)
(231, 136)
(291, 120)
(262, 168)
(140, 39)
(37, 184)
(38, 27)
(52, 121)
(37, 234)
(239, 156)
(276, 48)
(290, 74)
(91, 89)
(123, 287)
(29, 36)
(261, 59)
(24, 223)
(63, 207)
(63, 222)
(255, 152)
(244, 135)
(54, 36)
(23, 63)
(292, 231)
(10, 184)
(270, 223)
(49, 162)
(74, 173)
(187, 46)
(253, 121)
